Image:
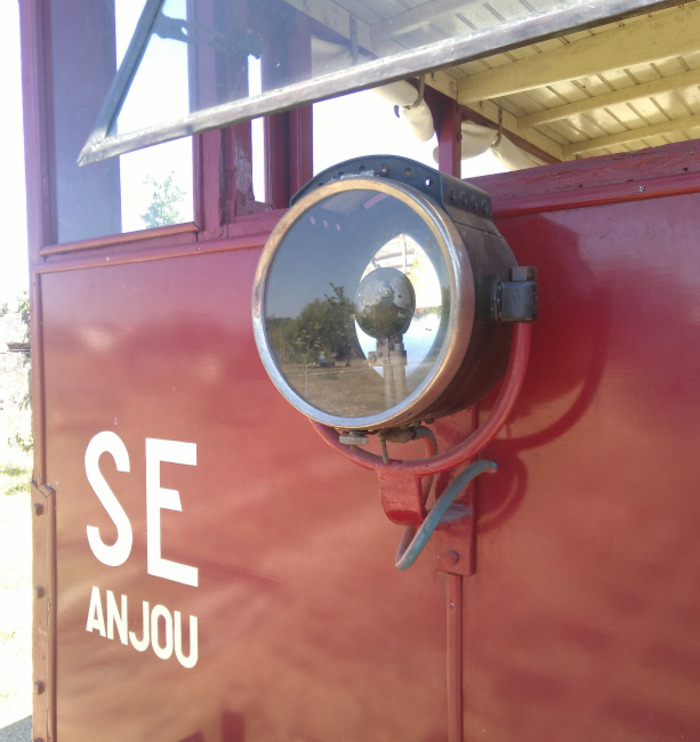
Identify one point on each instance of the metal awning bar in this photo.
(120, 87)
(577, 14)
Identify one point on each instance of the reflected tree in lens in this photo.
(323, 333)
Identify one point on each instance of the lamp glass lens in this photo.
(357, 304)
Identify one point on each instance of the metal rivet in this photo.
(451, 557)
(384, 169)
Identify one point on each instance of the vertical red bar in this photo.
(288, 136)
(449, 131)
(454, 658)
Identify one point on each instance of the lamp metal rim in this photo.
(416, 406)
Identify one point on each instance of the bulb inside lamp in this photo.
(384, 303)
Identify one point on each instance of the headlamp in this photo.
(376, 299)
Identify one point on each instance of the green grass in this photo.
(14, 479)
(15, 590)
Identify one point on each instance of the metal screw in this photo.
(641, 189)
(451, 558)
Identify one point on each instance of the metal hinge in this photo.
(516, 300)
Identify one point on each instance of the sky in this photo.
(14, 279)
(351, 122)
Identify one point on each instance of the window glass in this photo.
(152, 187)
(309, 51)
(365, 123)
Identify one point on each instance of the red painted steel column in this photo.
(288, 136)
(449, 131)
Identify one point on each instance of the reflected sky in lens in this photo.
(309, 309)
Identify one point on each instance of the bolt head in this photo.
(523, 273)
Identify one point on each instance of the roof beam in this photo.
(669, 34)
(413, 18)
(643, 90)
(332, 16)
(631, 135)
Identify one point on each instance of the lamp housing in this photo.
(376, 299)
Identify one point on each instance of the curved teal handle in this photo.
(407, 554)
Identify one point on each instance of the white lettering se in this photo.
(160, 498)
(157, 498)
(117, 553)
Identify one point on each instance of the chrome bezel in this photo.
(460, 321)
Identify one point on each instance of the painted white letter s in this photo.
(117, 553)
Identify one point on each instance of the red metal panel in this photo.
(582, 619)
(305, 629)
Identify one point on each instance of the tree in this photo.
(165, 200)
(15, 367)
(325, 327)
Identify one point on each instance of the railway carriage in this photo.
(269, 351)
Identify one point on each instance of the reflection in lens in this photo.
(384, 303)
(355, 313)
(406, 254)
(385, 312)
